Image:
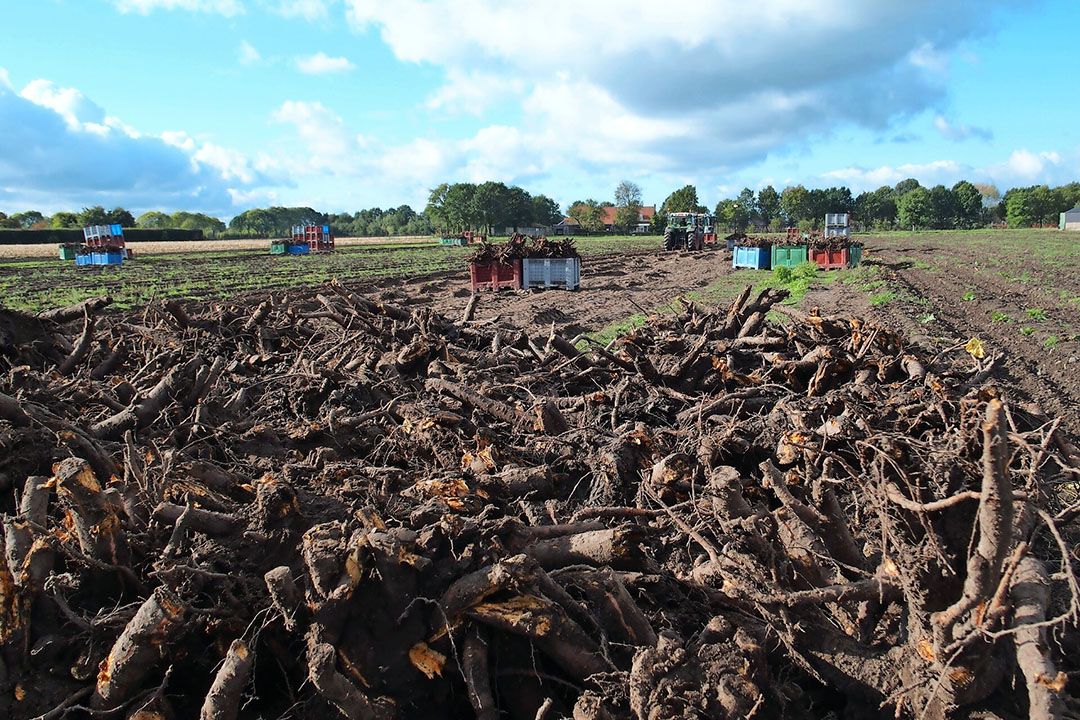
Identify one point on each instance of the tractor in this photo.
(689, 231)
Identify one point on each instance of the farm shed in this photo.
(1070, 220)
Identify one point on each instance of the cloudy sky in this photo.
(221, 105)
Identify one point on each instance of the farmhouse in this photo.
(570, 226)
(1070, 220)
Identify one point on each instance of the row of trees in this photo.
(1039, 204)
(453, 207)
(906, 205)
(97, 215)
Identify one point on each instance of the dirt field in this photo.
(331, 501)
(1017, 292)
(164, 248)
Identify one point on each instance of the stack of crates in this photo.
(318, 238)
(837, 225)
(102, 245)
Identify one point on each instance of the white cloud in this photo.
(945, 172)
(228, 8)
(1028, 166)
(322, 64)
(473, 92)
(671, 84)
(59, 150)
(958, 131)
(1022, 167)
(69, 103)
(248, 54)
(306, 9)
(5, 80)
(329, 144)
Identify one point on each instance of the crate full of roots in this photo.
(834, 252)
(753, 252)
(526, 263)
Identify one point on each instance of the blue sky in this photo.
(221, 105)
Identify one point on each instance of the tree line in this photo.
(98, 215)
(906, 205)
(453, 207)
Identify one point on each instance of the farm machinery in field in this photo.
(304, 240)
(101, 245)
(466, 237)
(689, 231)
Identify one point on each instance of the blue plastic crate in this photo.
(297, 249)
(754, 258)
(84, 259)
(117, 230)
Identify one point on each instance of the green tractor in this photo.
(689, 231)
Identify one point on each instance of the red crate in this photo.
(830, 259)
(495, 275)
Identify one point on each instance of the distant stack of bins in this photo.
(102, 245)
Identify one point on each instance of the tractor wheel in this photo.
(671, 239)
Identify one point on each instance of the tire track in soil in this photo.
(1027, 371)
(613, 288)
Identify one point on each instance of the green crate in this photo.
(855, 256)
(67, 253)
(277, 248)
(789, 255)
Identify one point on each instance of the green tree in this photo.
(436, 207)
(545, 211)
(6, 222)
(459, 207)
(1025, 207)
(153, 220)
(64, 220)
(490, 204)
(969, 204)
(628, 205)
(913, 209)
(726, 214)
(685, 199)
(96, 215)
(942, 207)
(747, 208)
(588, 214)
(768, 204)
(518, 207)
(27, 220)
(905, 186)
(795, 204)
(120, 216)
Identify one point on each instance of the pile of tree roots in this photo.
(320, 504)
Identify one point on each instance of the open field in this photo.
(48, 250)
(289, 499)
(1018, 291)
(36, 285)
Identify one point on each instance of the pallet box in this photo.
(292, 249)
(551, 273)
(495, 275)
(277, 247)
(789, 255)
(855, 258)
(754, 258)
(68, 253)
(454, 241)
(831, 259)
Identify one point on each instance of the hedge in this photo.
(56, 237)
